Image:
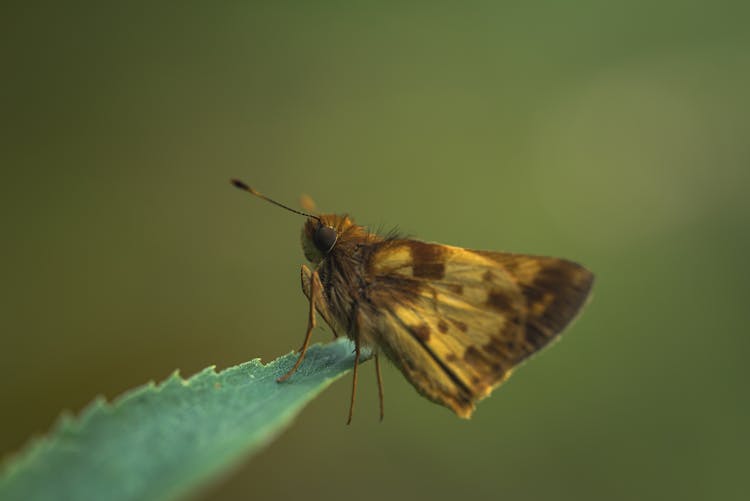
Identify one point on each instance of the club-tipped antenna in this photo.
(239, 184)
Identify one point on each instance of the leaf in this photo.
(161, 442)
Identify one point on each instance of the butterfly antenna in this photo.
(239, 184)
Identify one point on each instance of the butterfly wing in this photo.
(455, 321)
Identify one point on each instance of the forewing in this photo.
(456, 321)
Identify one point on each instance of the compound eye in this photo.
(325, 238)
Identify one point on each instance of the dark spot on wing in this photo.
(499, 301)
(457, 289)
(430, 271)
(488, 276)
(495, 347)
(535, 335)
(428, 261)
(459, 325)
(472, 356)
(556, 277)
(442, 326)
(422, 332)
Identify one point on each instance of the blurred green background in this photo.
(614, 134)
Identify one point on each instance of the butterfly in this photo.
(455, 322)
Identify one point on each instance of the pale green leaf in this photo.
(159, 442)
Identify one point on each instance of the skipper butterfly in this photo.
(455, 322)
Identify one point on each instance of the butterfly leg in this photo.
(321, 304)
(380, 384)
(354, 380)
(314, 291)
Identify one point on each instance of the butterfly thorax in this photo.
(340, 258)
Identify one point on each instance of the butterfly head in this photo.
(321, 234)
